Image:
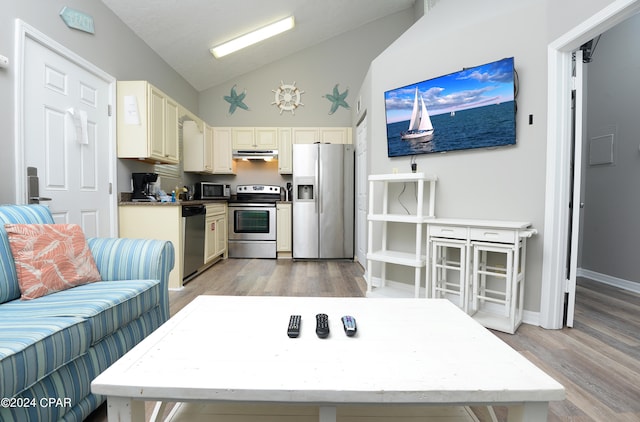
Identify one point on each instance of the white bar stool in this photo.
(442, 263)
(497, 283)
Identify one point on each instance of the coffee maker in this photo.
(141, 186)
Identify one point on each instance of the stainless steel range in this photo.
(252, 221)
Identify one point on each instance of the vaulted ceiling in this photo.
(182, 31)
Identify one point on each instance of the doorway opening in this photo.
(559, 153)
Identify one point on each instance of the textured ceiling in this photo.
(182, 31)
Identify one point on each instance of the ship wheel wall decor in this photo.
(287, 97)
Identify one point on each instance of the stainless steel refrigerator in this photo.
(323, 198)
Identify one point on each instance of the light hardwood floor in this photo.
(597, 361)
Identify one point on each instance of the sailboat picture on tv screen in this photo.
(472, 108)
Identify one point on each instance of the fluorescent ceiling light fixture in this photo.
(253, 37)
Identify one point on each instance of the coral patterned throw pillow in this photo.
(50, 258)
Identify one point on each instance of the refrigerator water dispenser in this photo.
(305, 192)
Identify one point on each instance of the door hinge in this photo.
(573, 83)
(569, 285)
(110, 188)
(109, 110)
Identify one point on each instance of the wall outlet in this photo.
(395, 170)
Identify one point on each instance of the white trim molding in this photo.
(620, 283)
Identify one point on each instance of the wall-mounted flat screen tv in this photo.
(472, 108)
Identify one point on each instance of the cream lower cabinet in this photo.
(147, 123)
(162, 222)
(215, 239)
(283, 229)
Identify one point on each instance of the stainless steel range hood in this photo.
(251, 154)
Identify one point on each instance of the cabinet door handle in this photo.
(213, 227)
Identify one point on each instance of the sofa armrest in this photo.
(135, 259)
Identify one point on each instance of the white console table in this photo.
(489, 259)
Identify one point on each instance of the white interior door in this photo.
(576, 199)
(361, 192)
(67, 138)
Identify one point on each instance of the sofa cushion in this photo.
(32, 348)
(107, 305)
(50, 258)
(16, 214)
(72, 381)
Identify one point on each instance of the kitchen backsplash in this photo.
(250, 172)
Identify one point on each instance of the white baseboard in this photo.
(609, 280)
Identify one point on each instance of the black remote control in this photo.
(322, 325)
(294, 326)
(349, 324)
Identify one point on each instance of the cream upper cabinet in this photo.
(305, 135)
(285, 151)
(197, 147)
(243, 138)
(147, 123)
(208, 148)
(335, 135)
(222, 151)
(266, 137)
(331, 135)
(171, 149)
(255, 138)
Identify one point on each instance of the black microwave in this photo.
(211, 190)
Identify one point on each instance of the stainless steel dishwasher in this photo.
(193, 218)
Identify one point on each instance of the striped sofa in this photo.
(52, 347)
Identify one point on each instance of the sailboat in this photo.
(420, 127)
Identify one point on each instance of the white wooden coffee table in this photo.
(406, 351)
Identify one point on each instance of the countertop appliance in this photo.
(211, 190)
(252, 221)
(323, 201)
(193, 239)
(141, 182)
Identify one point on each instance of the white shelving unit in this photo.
(380, 221)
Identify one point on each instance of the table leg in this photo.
(529, 412)
(123, 409)
(327, 414)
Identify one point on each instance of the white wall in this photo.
(114, 48)
(506, 183)
(612, 205)
(342, 60)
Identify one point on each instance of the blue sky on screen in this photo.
(478, 86)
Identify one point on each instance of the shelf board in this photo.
(400, 218)
(395, 257)
(402, 177)
(495, 322)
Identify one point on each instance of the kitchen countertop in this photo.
(173, 204)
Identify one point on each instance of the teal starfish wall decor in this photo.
(337, 99)
(236, 100)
